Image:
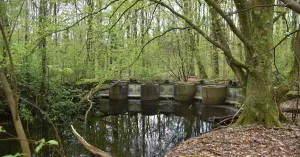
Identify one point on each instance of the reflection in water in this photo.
(131, 128)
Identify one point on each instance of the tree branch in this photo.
(91, 148)
(13, 74)
(233, 28)
(278, 16)
(224, 49)
(293, 5)
(149, 41)
(285, 87)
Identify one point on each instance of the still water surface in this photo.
(127, 128)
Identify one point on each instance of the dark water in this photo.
(127, 128)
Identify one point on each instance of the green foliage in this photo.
(16, 155)
(25, 112)
(42, 143)
(2, 130)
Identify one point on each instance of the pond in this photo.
(127, 128)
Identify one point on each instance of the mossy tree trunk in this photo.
(260, 106)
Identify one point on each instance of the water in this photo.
(127, 128)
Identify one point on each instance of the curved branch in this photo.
(114, 24)
(15, 23)
(293, 5)
(233, 28)
(274, 47)
(116, 9)
(223, 48)
(149, 41)
(88, 146)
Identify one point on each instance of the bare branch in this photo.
(149, 41)
(224, 49)
(91, 148)
(234, 29)
(278, 16)
(132, 5)
(15, 22)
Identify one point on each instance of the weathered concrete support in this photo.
(166, 90)
(199, 91)
(184, 91)
(214, 95)
(119, 91)
(149, 91)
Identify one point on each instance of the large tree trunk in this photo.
(260, 106)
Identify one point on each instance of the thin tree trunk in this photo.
(42, 46)
(215, 55)
(16, 118)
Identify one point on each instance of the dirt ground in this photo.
(246, 141)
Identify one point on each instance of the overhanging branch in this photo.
(293, 5)
(233, 28)
(215, 43)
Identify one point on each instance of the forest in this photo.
(58, 55)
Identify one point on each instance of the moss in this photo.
(262, 114)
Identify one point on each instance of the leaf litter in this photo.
(246, 141)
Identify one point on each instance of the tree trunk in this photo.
(90, 41)
(16, 118)
(42, 47)
(215, 55)
(260, 106)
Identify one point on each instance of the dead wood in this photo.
(91, 148)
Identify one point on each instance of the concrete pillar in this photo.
(119, 91)
(214, 95)
(184, 91)
(149, 91)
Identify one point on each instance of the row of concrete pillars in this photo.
(210, 94)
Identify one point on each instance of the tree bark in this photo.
(16, 118)
(292, 5)
(260, 106)
(42, 47)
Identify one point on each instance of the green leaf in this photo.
(52, 142)
(39, 147)
(41, 144)
(16, 155)
(2, 130)
(8, 156)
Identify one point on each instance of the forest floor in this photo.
(248, 141)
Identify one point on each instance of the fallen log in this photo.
(91, 148)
